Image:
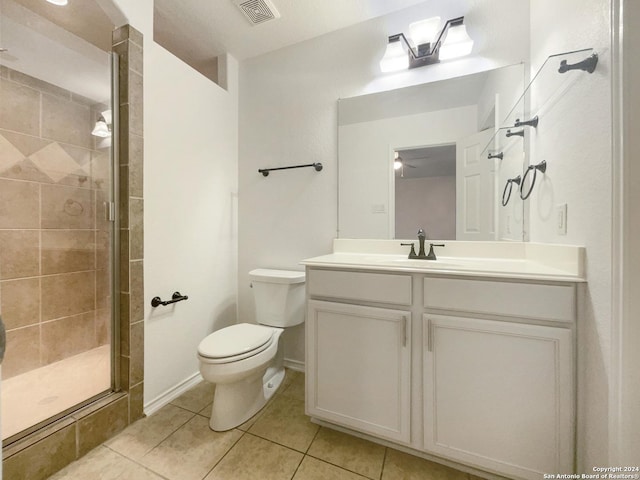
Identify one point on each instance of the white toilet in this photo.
(245, 360)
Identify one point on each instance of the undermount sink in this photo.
(415, 262)
(404, 262)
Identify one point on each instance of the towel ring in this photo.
(509, 186)
(542, 166)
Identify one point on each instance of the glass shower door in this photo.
(56, 237)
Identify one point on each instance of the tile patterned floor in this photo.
(279, 443)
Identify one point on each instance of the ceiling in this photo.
(197, 31)
(85, 19)
(434, 161)
(56, 45)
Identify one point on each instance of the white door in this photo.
(499, 395)
(475, 189)
(358, 368)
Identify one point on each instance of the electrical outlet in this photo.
(561, 219)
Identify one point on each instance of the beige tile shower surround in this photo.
(53, 267)
(279, 443)
(48, 450)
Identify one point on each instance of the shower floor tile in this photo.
(34, 396)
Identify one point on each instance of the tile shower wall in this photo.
(54, 257)
(44, 452)
(128, 44)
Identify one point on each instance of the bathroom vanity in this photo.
(469, 358)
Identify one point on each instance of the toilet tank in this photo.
(279, 296)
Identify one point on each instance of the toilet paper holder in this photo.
(175, 298)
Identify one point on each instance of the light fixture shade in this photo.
(62, 3)
(101, 129)
(457, 44)
(108, 118)
(395, 57)
(424, 31)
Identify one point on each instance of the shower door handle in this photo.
(3, 340)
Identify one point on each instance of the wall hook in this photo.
(529, 123)
(587, 65)
(519, 133)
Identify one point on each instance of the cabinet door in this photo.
(358, 367)
(499, 395)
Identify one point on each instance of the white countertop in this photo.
(479, 259)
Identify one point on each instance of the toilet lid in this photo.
(235, 340)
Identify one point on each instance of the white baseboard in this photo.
(177, 390)
(171, 394)
(296, 365)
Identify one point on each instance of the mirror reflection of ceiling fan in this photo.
(399, 164)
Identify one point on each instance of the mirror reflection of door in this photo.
(475, 189)
(425, 192)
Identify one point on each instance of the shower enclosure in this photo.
(56, 218)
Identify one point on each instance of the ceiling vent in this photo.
(257, 11)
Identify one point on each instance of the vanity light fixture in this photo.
(453, 41)
(60, 3)
(103, 125)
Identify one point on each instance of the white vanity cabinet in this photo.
(499, 393)
(359, 357)
(492, 381)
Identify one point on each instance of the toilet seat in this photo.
(235, 342)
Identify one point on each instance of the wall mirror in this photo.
(418, 156)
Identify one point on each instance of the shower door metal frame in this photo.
(112, 211)
(115, 215)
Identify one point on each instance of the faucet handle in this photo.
(431, 255)
(412, 253)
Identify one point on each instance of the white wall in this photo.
(190, 193)
(428, 202)
(500, 93)
(574, 137)
(288, 115)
